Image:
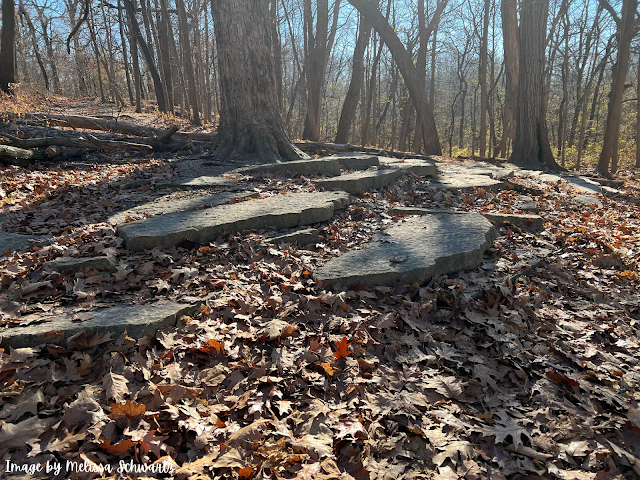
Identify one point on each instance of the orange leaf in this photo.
(342, 351)
(128, 410)
(118, 448)
(327, 368)
(246, 472)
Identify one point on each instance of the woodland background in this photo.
(460, 55)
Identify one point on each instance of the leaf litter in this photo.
(524, 367)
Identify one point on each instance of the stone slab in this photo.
(423, 168)
(138, 321)
(169, 204)
(196, 182)
(533, 222)
(102, 263)
(300, 237)
(466, 181)
(278, 212)
(587, 200)
(529, 206)
(421, 211)
(357, 181)
(417, 249)
(355, 161)
(315, 166)
(15, 241)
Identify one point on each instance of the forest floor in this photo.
(500, 372)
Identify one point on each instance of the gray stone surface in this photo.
(470, 175)
(300, 237)
(102, 263)
(466, 181)
(421, 211)
(278, 212)
(423, 168)
(196, 182)
(533, 222)
(169, 204)
(355, 161)
(14, 241)
(587, 200)
(138, 321)
(421, 247)
(368, 180)
(529, 206)
(314, 166)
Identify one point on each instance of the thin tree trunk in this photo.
(350, 104)
(34, 39)
(429, 133)
(8, 46)
(482, 79)
(608, 155)
(188, 60)
(157, 83)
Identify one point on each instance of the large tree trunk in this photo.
(8, 47)
(250, 120)
(531, 147)
(609, 146)
(431, 143)
(350, 104)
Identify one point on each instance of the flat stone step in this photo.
(138, 321)
(15, 241)
(278, 212)
(103, 263)
(301, 237)
(533, 222)
(315, 166)
(417, 249)
(423, 168)
(588, 200)
(355, 161)
(166, 205)
(422, 211)
(368, 180)
(196, 182)
(469, 175)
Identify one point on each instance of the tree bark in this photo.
(188, 61)
(431, 142)
(531, 147)
(511, 43)
(250, 120)
(157, 83)
(34, 40)
(350, 104)
(8, 46)
(482, 79)
(614, 109)
(319, 47)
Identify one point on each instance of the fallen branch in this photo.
(15, 153)
(107, 125)
(89, 142)
(314, 147)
